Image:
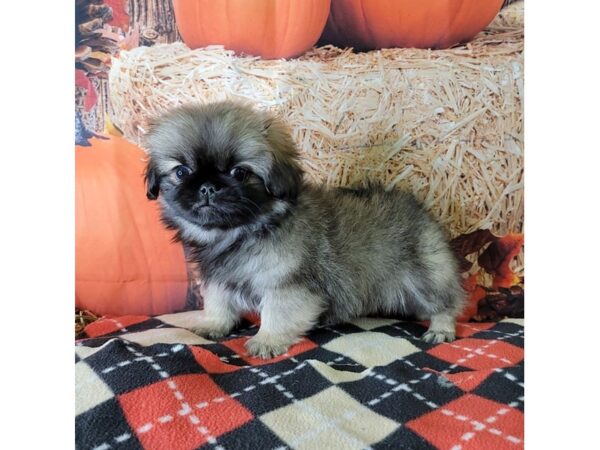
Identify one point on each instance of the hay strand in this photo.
(82, 319)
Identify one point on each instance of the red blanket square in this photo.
(471, 423)
(182, 412)
(478, 354)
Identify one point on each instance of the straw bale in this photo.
(446, 124)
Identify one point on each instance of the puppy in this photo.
(229, 181)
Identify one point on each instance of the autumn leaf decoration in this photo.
(482, 252)
(496, 258)
(90, 95)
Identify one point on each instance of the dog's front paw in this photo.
(210, 329)
(438, 336)
(265, 348)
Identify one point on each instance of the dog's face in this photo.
(221, 165)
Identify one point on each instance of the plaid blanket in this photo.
(147, 382)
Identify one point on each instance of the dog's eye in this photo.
(182, 171)
(239, 173)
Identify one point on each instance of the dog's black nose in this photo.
(208, 189)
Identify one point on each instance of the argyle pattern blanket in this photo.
(147, 382)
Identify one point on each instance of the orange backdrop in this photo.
(126, 262)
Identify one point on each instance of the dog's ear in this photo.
(152, 182)
(284, 180)
(285, 176)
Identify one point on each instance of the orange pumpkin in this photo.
(267, 28)
(125, 261)
(371, 24)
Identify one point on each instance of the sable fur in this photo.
(296, 253)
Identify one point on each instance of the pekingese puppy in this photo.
(229, 181)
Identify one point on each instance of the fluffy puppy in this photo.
(228, 180)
